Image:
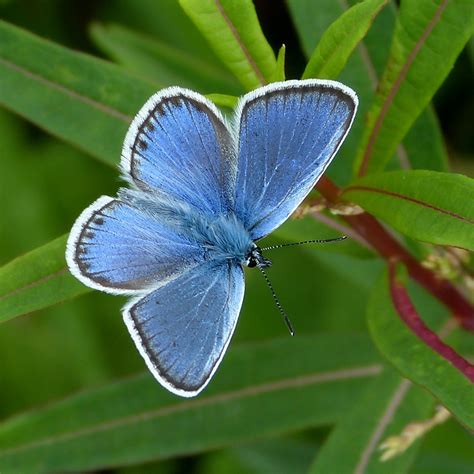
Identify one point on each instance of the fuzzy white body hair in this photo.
(223, 236)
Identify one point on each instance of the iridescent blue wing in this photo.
(183, 328)
(178, 145)
(122, 249)
(288, 134)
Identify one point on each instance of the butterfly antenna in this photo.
(314, 241)
(277, 302)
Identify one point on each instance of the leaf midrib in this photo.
(409, 199)
(387, 416)
(65, 90)
(241, 44)
(396, 86)
(34, 283)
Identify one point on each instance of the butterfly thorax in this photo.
(222, 236)
(225, 237)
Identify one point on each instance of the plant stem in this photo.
(389, 248)
(409, 315)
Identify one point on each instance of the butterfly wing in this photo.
(288, 134)
(122, 249)
(183, 328)
(179, 145)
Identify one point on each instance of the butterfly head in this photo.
(255, 258)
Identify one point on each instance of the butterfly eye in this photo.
(251, 262)
(256, 259)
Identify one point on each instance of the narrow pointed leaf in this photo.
(223, 100)
(279, 73)
(387, 405)
(340, 39)
(233, 31)
(425, 205)
(414, 359)
(36, 280)
(136, 420)
(418, 63)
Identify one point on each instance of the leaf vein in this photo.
(34, 283)
(394, 403)
(241, 44)
(71, 93)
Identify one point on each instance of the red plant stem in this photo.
(409, 315)
(328, 189)
(389, 248)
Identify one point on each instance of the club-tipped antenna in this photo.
(314, 241)
(277, 302)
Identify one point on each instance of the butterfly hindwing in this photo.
(178, 145)
(288, 134)
(119, 248)
(183, 328)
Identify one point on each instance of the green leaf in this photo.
(428, 37)
(36, 280)
(90, 430)
(222, 100)
(423, 146)
(425, 205)
(387, 405)
(159, 62)
(76, 97)
(233, 31)
(414, 359)
(341, 38)
(279, 73)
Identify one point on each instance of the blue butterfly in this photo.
(202, 192)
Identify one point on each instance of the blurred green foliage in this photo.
(114, 415)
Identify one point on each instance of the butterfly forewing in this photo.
(179, 146)
(288, 134)
(182, 329)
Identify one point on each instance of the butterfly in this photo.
(202, 191)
